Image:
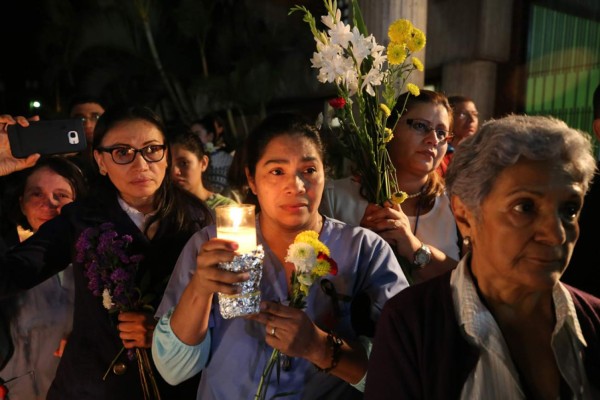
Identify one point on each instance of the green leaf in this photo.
(359, 22)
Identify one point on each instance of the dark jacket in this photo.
(94, 341)
(583, 271)
(419, 351)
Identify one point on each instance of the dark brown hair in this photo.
(171, 203)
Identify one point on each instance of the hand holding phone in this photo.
(8, 163)
(47, 137)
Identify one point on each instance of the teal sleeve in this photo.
(175, 360)
(367, 343)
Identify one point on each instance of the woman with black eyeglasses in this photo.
(132, 192)
(421, 230)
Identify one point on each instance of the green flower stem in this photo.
(149, 386)
(113, 363)
(261, 392)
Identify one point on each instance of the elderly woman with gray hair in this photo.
(501, 325)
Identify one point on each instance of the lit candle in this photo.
(237, 223)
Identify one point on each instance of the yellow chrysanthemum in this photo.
(322, 268)
(385, 110)
(399, 197)
(306, 235)
(312, 238)
(416, 41)
(417, 64)
(413, 89)
(387, 135)
(396, 53)
(399, 31)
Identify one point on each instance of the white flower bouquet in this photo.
(369, 78)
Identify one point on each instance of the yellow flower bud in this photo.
(417, 64)
(413, 89)
(322, 37)
(399, 197)
(385, 110)
(387, 135)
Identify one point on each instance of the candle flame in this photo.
(235, 214)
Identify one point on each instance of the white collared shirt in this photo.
(139, 218)
(495, 375)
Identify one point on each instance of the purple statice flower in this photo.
(121, 298)
(105, 242)
(109, 267)
(120, 275)
(95, 283)
(84, 244)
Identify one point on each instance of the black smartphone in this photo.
(47, 137)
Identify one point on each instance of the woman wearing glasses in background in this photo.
(134, 192)
(421, 230)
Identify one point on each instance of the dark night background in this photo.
(247, 57)
(20, 67)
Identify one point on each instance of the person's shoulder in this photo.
(220, 154)
(359, 240)
(203, 235)
(420, 296)
(81, 207)
(342, 228)
(584, 299)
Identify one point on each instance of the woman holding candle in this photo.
(285, 171)
(133, 192)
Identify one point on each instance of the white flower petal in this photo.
(303, 256)
(107, 299)
(305, 279)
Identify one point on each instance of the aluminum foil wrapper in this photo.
(248, 300)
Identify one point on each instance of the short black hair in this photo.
(84, 98)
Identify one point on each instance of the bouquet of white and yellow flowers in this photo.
(369, 78)
(312, 260)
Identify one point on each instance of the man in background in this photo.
(88, 109)
(584, 268)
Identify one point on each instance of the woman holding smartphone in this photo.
(134, 194)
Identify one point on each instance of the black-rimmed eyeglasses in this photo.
(126, 154)
(424, 128)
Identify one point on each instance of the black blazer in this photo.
(94, 341)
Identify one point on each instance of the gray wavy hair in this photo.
(480, 158)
